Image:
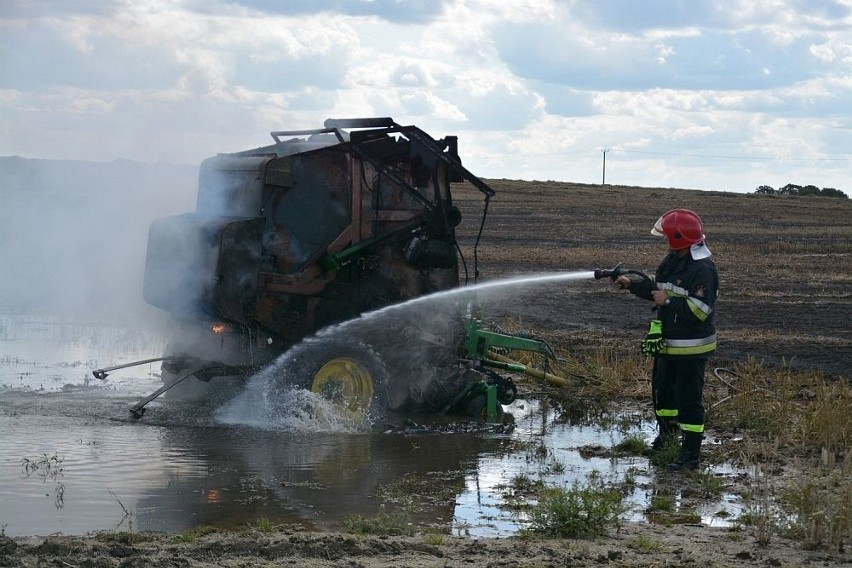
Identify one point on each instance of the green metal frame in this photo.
(479, 341)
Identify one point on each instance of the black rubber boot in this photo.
(690, 453)
(667, 430)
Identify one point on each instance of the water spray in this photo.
(473, 354)
(454, 292)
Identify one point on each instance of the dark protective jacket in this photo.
(688, 318)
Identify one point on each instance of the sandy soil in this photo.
(633, 545)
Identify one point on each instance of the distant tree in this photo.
(831, 192)
(807, 191)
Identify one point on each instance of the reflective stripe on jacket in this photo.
(688, 319)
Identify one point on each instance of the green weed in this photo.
(397, 523)
(661, 503)
(706, 483)
(645, 543)
(630, 477)
(45, 467)
(583, 511)
(631, 445)
(520, 490)
(667, 454)
(192, 536)
(434, 538)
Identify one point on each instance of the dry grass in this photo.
(803, 411)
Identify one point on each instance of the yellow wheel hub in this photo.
(346, 382)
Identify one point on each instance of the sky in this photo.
(723, 95)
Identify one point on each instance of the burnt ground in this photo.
(785, 266)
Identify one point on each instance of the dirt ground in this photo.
(785, 266)
(683, 545)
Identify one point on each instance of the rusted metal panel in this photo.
(279, 173)
(235, 291)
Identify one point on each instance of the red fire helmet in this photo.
(681, 227)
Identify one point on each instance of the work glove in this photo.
(653, 342)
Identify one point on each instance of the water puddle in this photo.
(543, 449)
(72, 460)
(48, 354)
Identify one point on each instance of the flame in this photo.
(217, 328)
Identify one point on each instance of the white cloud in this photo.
(534, 88)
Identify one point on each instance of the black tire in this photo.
(346, 372)
(477, 408)
(507, 391)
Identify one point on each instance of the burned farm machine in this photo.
(289, 240)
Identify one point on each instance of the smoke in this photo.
(73, 235)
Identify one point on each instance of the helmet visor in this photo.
(658, 228)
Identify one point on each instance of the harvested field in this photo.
(785, 265)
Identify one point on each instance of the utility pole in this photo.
(603, 178)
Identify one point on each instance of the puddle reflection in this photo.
(173, 471)
(553, 455)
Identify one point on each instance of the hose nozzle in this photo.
(611, 273)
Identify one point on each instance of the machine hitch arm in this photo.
(201, 371)
(479, 341)
(138, 409)
(104, 372)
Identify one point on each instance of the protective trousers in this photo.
(677, 385)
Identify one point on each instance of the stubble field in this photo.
(785, 265)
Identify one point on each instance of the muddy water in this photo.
(73, 461)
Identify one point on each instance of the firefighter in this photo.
(683, 335)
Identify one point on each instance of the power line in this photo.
(674, 154)
(726, 157)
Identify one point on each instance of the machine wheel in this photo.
(347, 373)
(507, 391)
(477, 408)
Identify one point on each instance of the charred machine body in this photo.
(315, 229)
